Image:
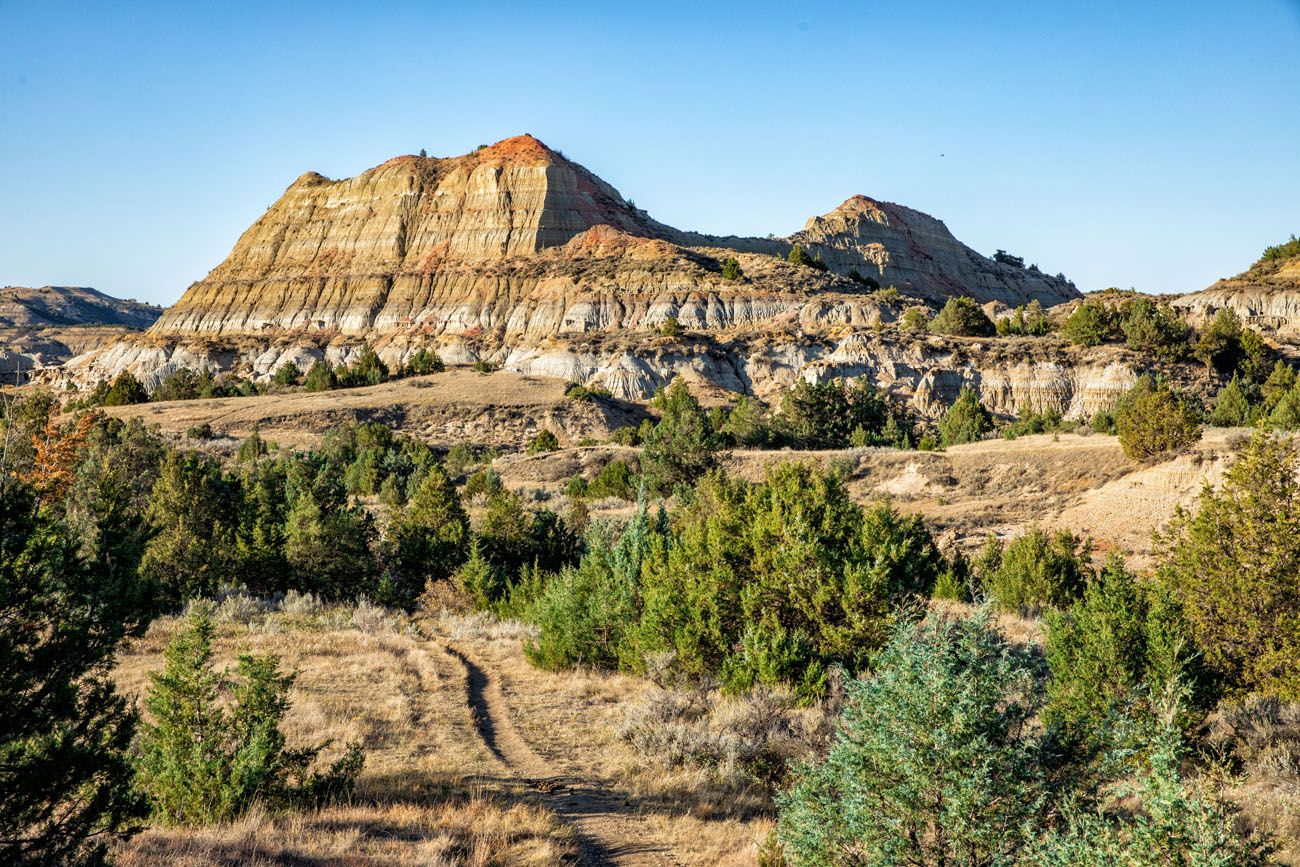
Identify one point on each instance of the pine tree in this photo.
(966, 420)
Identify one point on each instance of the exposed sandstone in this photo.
(504, 252)
(1267, 297)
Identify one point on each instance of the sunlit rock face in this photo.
(517, 255)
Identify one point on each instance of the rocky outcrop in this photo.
(516, 254)
(896, 245)
(1267, 297)
(44, 327)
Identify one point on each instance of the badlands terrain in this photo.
(493, 337)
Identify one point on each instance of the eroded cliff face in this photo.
(1266, 297)
(518, 255)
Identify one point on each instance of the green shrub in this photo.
(321, 377)
(1028, 320)
(584, 614)
(777, 582)
(1232, 565)
(626, 436)
(1032, 422)
(966, 421)
(483, 366)
(423, 362)
(485, 481)
(1155, 328)
(545, 441)
(327, 538)
(190, 509)
(1105, 648)
(731, 269)
(936, 759)
(1285, 250)
(1161, 819)
(1152, 420)
(1037, 570)
(962, 317)
(69, 595)
(1006, 258)
(368, 369)
(682, 446)
(1103, 421)
(213, 743)
(671, 327)
(199, 432)
(748, 424)
(1218, 346)
(799, 256)
(825, 415)
(1231, 407)
(915, 319)
(615, 479)
(1090, 324)
(585, 392)
(125, 390)
(426, 542)
(287, 374)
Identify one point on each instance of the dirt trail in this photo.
(609, 831)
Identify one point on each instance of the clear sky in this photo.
(1150, 144)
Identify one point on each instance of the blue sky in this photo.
(1152, 144)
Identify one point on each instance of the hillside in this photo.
(41, 327)
(516, 254)
(1266, 295)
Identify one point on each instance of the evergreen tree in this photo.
(962, 317)
(1232, 564)
(1155, 328)
(1165, 819)
(213, 745)
(1152, 420)
(427, 542)
(935, 760)
(682, 446)
(65, 781)
(1231, 408)
(731, 269)
(288, 374)
(321, 377)
(1090, 324)
(125, 390)
(966, 420)
(192, 509)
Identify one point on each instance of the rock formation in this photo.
(1266, 296)
(45, 327)
(516, 254)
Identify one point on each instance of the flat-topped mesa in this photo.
(896, 245)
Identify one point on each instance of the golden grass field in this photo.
(549, 783)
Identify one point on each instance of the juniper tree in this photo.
(65, 605)
(212, 746)
(935, 761)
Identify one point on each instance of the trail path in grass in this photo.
(609, 829)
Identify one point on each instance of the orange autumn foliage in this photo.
(55, 465)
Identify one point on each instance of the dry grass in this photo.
(473, 829)
(572, 719)
(430, 792)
